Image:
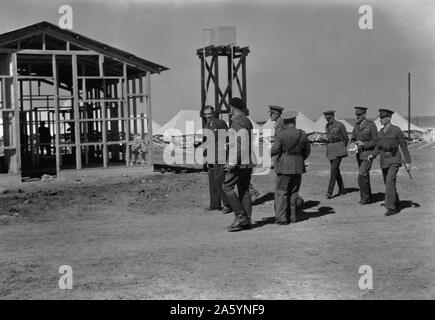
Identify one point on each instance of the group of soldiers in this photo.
(289, 151)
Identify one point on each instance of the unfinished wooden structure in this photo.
(233, 68)
(95, 101)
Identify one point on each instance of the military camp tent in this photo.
(302, 122)
(185, 122)
(401, 122)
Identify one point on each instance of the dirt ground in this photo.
(149, 237)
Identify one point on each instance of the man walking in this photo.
(365, 136)
(335, 151)
(239, 168)
(291, 147)
(216, 158)
(390, 137)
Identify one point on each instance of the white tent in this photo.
(401, 122)
(255, 125)
(185, 122)
(302, 122)
(319, 125)
(155, 126)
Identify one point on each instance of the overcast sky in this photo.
(307, 56)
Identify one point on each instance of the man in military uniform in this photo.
(390, 137)
(216, 159)
(335, 151)
(291, 147)
(252, 191)
(365, 136)
(239, 168)
(275, 113)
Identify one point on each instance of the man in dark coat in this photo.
(216, 158)
(335, 151)
(291, 147)
(239, 168)
(390, 138)
(365, 136)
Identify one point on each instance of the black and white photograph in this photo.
(217, 150)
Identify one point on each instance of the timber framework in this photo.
(70, 102)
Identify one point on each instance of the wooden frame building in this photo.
(93, 99)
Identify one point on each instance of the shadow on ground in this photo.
(264, 198)
(302, 214)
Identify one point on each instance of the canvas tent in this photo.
(155, 126)
(255, 125)
(319, 125)
(302, 122)
(183, 121)
(401, 122)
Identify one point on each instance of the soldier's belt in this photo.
(390, 150)
(334, 140)
(367, 149)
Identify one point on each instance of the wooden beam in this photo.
(44, 44)
(126, 114)
(101, 65)
(134, 106)
(203, 92)
(17, 138)
(31, 134)
(85, 113)
(244, 93)
(76, 113)
(104, 125)
(58, 52)
(149, 118)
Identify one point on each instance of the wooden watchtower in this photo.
(230, 61)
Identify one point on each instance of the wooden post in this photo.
(17, 138)
(56, 114)
(103, 111)
(149, 118)
(76, 113)
(203, 93)
(216, 84)
(104, 124)
(142, 114)
(31, 126)
(244, 93)
(134, 106)
(409, 105)
(85, 115)
(126, 114)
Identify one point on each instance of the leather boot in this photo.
(241, 222)
(292, 213)
(390, 212)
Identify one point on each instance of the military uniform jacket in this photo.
(219, 145)
(279, 125)
(290, 151)
(388, 147)
(244, 150)
(335, 132)
(366, 132)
